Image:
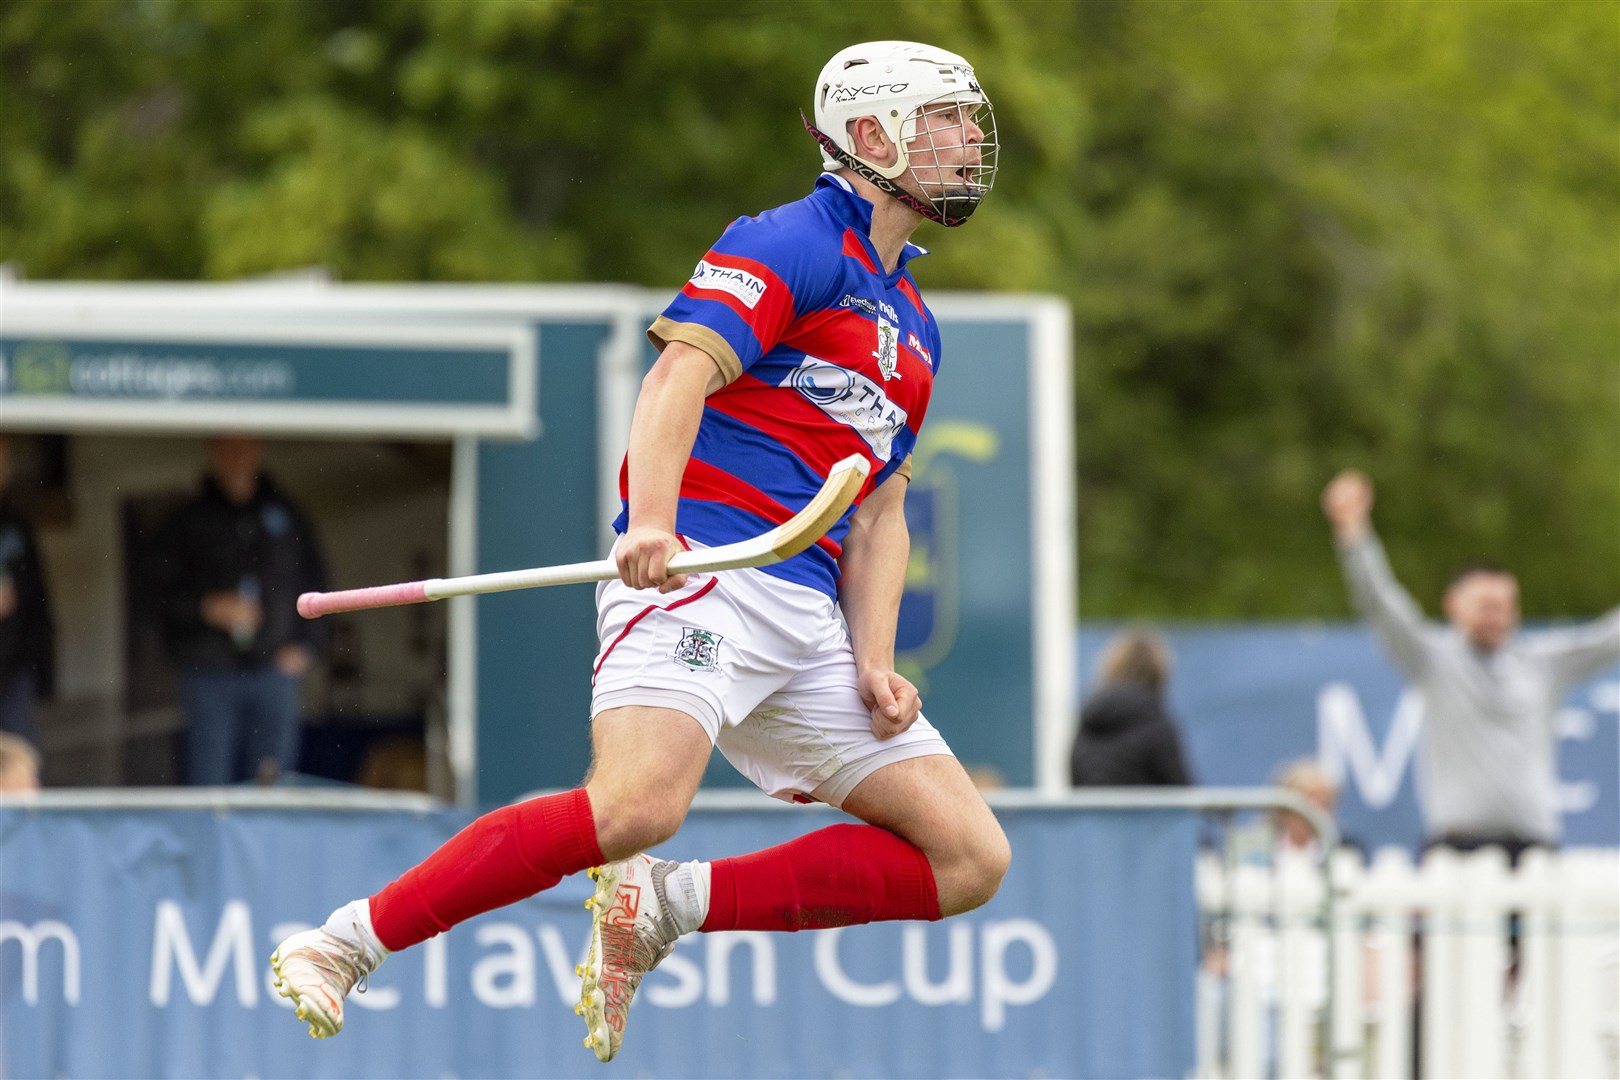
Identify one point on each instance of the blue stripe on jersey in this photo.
(697, 518)
(756, 459)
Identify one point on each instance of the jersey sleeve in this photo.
(743, 296)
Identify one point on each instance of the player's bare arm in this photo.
(661, 434)
(874, 569)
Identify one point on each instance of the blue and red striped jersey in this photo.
(825, 355)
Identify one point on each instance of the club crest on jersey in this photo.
(888, 350)
(698, 650)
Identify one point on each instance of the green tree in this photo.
(1296, 234)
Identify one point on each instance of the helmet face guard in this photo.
(930, 105)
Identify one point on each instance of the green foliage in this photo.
(1296, 235)
(1369, 234)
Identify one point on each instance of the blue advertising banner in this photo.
(1252, 698)
(133, 944)
(268, 371)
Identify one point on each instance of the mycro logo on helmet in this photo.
(739, 283)
(844, 94)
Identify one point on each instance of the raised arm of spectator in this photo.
(1580, 652)
(1395, 617)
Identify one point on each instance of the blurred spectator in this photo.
(19, 765)
(1487, 760)
(1307, 779)
(229, 566)
(27, 633)
(1126, 735)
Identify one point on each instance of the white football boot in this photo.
(317, 969)
(632, 930)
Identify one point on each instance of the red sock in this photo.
(505, 856)
(843, 875)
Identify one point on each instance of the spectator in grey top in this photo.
(1487, 763)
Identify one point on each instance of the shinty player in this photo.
(800, 339)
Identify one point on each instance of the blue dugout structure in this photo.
(533, 388)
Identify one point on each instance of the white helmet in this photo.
(893, 81)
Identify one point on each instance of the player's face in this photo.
(1485, 607)
(946, 154)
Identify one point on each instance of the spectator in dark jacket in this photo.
(27, 632)
(1126, 736)
(229, 566)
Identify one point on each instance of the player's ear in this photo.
(871, 142)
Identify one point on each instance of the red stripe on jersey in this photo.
(855, 249)
(772, 312)
(791, 420)
(705, 481)
(911, 294)
(843, 337)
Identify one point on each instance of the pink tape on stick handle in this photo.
(312, 605)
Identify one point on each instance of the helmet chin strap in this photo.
(923, 206)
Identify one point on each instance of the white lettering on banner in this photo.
(957, 987)
(840, 985)
(557, 961)
(232, 942)
(1576, 796)
(504, 980)
(1344, 744)
(763, 950)
(999, 991)
(739, 283)
(506, 975)
(29, 938)
(435, 972)
(851, 399)
(997, 988)
(688, 988)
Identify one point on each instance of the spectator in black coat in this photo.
(1127, 738)
(229, 566)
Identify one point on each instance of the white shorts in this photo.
(764, 665)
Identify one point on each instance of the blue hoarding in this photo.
(133, 943)
(1250, 698)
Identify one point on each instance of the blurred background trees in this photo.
(1296, 236)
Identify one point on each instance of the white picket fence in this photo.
(1436, 936)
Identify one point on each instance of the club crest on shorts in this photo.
(698, 650)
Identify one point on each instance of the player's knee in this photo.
(625, 827)
(975, 873)
(991, 858)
